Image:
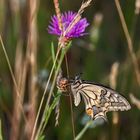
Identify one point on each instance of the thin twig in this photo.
(129, 41)
(72, 115)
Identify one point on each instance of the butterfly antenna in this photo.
(78, 76)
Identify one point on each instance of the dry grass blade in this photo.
(43, 97)
(58, 13)
(13, 78)
(135, 101)
(57, 112)
(113, 83)
(18, 102)
(78, 16)
(129, 42)
(137, 7)
(18, 71)
(32, 58)
(113, 75)
(83, 6)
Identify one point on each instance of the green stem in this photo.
(46, 88)
(84, 130)
(1, 138)
(63, 52)
(48, 111)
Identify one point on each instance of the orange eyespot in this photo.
(89, 112)
(63, 84)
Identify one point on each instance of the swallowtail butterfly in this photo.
(98, 99)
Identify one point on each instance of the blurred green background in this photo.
(93, 55)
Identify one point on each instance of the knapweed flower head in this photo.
(67, 18)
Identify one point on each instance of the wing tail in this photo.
(101, 115)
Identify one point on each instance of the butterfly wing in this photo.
(98, 99)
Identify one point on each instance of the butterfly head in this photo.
(77, 79)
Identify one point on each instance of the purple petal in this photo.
(67, 17)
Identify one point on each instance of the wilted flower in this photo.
(67, 18)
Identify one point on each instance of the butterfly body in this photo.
(98, 99)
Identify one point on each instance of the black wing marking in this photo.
(99, 99)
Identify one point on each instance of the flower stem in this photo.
(83, 130)
(63, 52)
(46, 88)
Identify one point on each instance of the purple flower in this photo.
(76, 31)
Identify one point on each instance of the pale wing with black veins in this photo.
(107, 99)
(76, 94)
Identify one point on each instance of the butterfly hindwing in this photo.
(115, 101)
